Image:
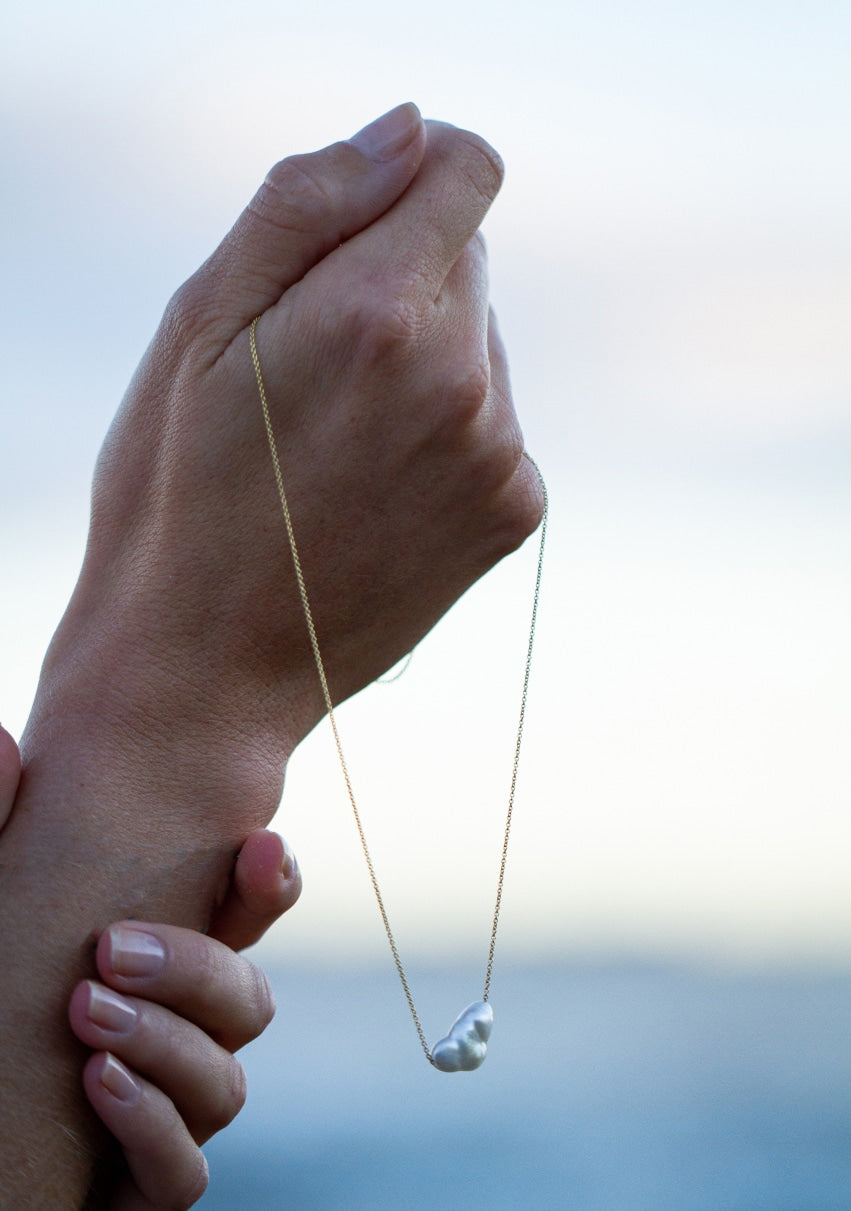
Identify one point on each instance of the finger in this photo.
(473, 341)
(167, 1167)
(466, 286)
(461, 313)
(307, 206)
(266, 883)
(201, 1079)
(10, 774)
(523, 482)
(423, 235)
(199, 978)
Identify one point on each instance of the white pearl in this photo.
(466, 1045)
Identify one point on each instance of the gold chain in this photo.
(320, 668)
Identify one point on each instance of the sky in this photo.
(671, 266)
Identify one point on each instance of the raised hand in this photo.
(400, 448)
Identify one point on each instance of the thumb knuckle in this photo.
(481, 165)
(300, 191)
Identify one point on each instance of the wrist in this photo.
(159, 730)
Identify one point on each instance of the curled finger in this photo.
(197, 977)
(204, 1081)
(167, 1168)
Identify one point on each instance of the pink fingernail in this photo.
(132, 952)
(390, 134)
(119, 1081)
(109, 1010)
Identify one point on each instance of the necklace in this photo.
(465, 1046)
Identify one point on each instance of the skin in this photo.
(163, 1077)
(180, 679)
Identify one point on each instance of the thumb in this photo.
(306, 207)
(266, 883)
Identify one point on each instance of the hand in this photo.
(401, 451)
(169, 1010)
(163, 1078)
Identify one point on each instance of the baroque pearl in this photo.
(466, 1045)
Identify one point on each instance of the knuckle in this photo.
(236, 1091)
(384, 322)
(186, 313)
(196, 1184)
(519, 523)
(231, 1091)
(297, 194)
(263, 999)
(470, 385)
(524, 507)
(481, 165)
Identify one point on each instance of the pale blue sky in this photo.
(672, 269)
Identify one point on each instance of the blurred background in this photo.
(671, 267)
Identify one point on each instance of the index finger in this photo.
(422, 236)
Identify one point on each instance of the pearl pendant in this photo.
(466, 1045)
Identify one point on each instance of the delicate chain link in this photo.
(320, 668)
(523, 698)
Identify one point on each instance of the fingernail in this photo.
(119, 1081)
(390, 134)
(135, 953)
(110, 1011)
(289, 866)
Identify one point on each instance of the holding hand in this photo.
(169, 1010)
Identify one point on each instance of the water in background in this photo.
(607, 1088)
